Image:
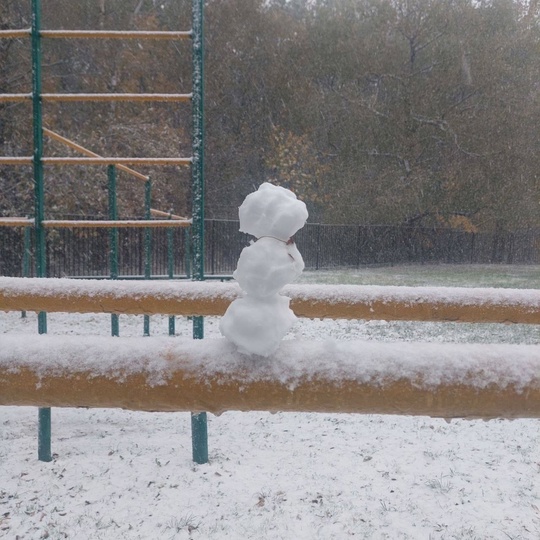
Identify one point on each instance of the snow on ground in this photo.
(119, 474)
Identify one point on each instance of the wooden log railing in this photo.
(173, 374)
(446, 304)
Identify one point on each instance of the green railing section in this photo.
(196, 240)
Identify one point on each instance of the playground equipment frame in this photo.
(38, 161)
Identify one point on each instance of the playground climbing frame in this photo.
(38, 161)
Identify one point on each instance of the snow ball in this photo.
(272, 211)
(257, 326)
(268, 265)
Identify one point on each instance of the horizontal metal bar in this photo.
(5, 98)
(24, 160)
(115, 161)
(16, 222)
(15, 33)
(115, 97)
(114, 34)
(89, 153)
(112, 224)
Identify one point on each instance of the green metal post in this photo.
(147, 245)
(37, 117)
(187, 251)
(199, 437)
(26, 258)
(113, 240)
(199, 429)
(170, 271)
(44, 432)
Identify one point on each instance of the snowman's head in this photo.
(272, 211)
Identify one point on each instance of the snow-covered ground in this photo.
(119, 474)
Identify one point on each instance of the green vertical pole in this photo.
(147, 245)
(170, 271)
(113, 240)
(44, 416)
(199, 428)
(26, 258)
(187, 251)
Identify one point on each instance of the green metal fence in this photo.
(85, 252)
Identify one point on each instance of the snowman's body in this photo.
(257, 322)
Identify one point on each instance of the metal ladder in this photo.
(38, 161)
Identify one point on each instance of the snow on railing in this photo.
(173, 374)
(315, 301)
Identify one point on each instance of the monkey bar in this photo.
(16, 222)
(115, 34)
(97, 97)
(118, 223)
(13, 98)
(28, 160)
(116, 161)
(100, 224)
(97, 34)
(15, 33)
(16, 160)
(116, 97)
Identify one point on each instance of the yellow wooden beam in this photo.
(113, 34)
(171, 98)
(314, 301)
(16, 222)
(115, 161)
(171, 374)
(112, 224)
(16, 160)
(15, 33)
(9, 98)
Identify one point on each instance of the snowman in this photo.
(258, 321)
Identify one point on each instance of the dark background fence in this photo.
(84, 252)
